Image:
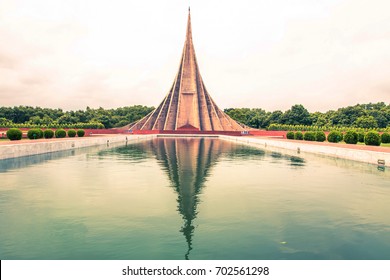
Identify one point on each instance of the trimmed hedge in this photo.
(320, 136)
(351, 137)
(298, 135)
(335, 136)
(48, 134)
(34, 133)
(309, 136)
(372, 138)
(290, 135)
(299, 127)
(60, 133)
(54, 124)
(81, 133)
(14, 134)
(71, 133)
(361, 137)
(385, 137)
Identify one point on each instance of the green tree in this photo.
(380, 117)
(274, 117)
(348, 115)
(67, 119)
(319, 119)
(366, 122)
(297, 115)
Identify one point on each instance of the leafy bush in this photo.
(298, 135)
(14, 134)
(80, 132)
(335, 136)
(290, 135)
(60, 133)
(372, 138)
(309, 136)
(273, 127)
(34, 133)
(361, 137)
(385, 137)
(351, 137)
(72, 133)
(320, 136)
(48, 133)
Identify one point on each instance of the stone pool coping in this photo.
(367, 154)
(25, 147)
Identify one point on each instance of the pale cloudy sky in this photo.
(271, 54)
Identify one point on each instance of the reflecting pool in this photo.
(192, 198)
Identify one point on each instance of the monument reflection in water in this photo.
(187, 161)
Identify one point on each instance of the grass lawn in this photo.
(360, 143)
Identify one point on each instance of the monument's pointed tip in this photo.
(189, 32)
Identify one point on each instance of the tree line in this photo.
(46, 117)
(372, 115)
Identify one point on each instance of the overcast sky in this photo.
(270, 54)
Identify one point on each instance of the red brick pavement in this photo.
(346, 146)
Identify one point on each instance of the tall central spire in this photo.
(187, 106)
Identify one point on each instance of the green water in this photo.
(192, 199)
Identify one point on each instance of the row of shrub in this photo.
(93, 125)
(288, 127)
(36, 133)
(371, 138)
(318, 136)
